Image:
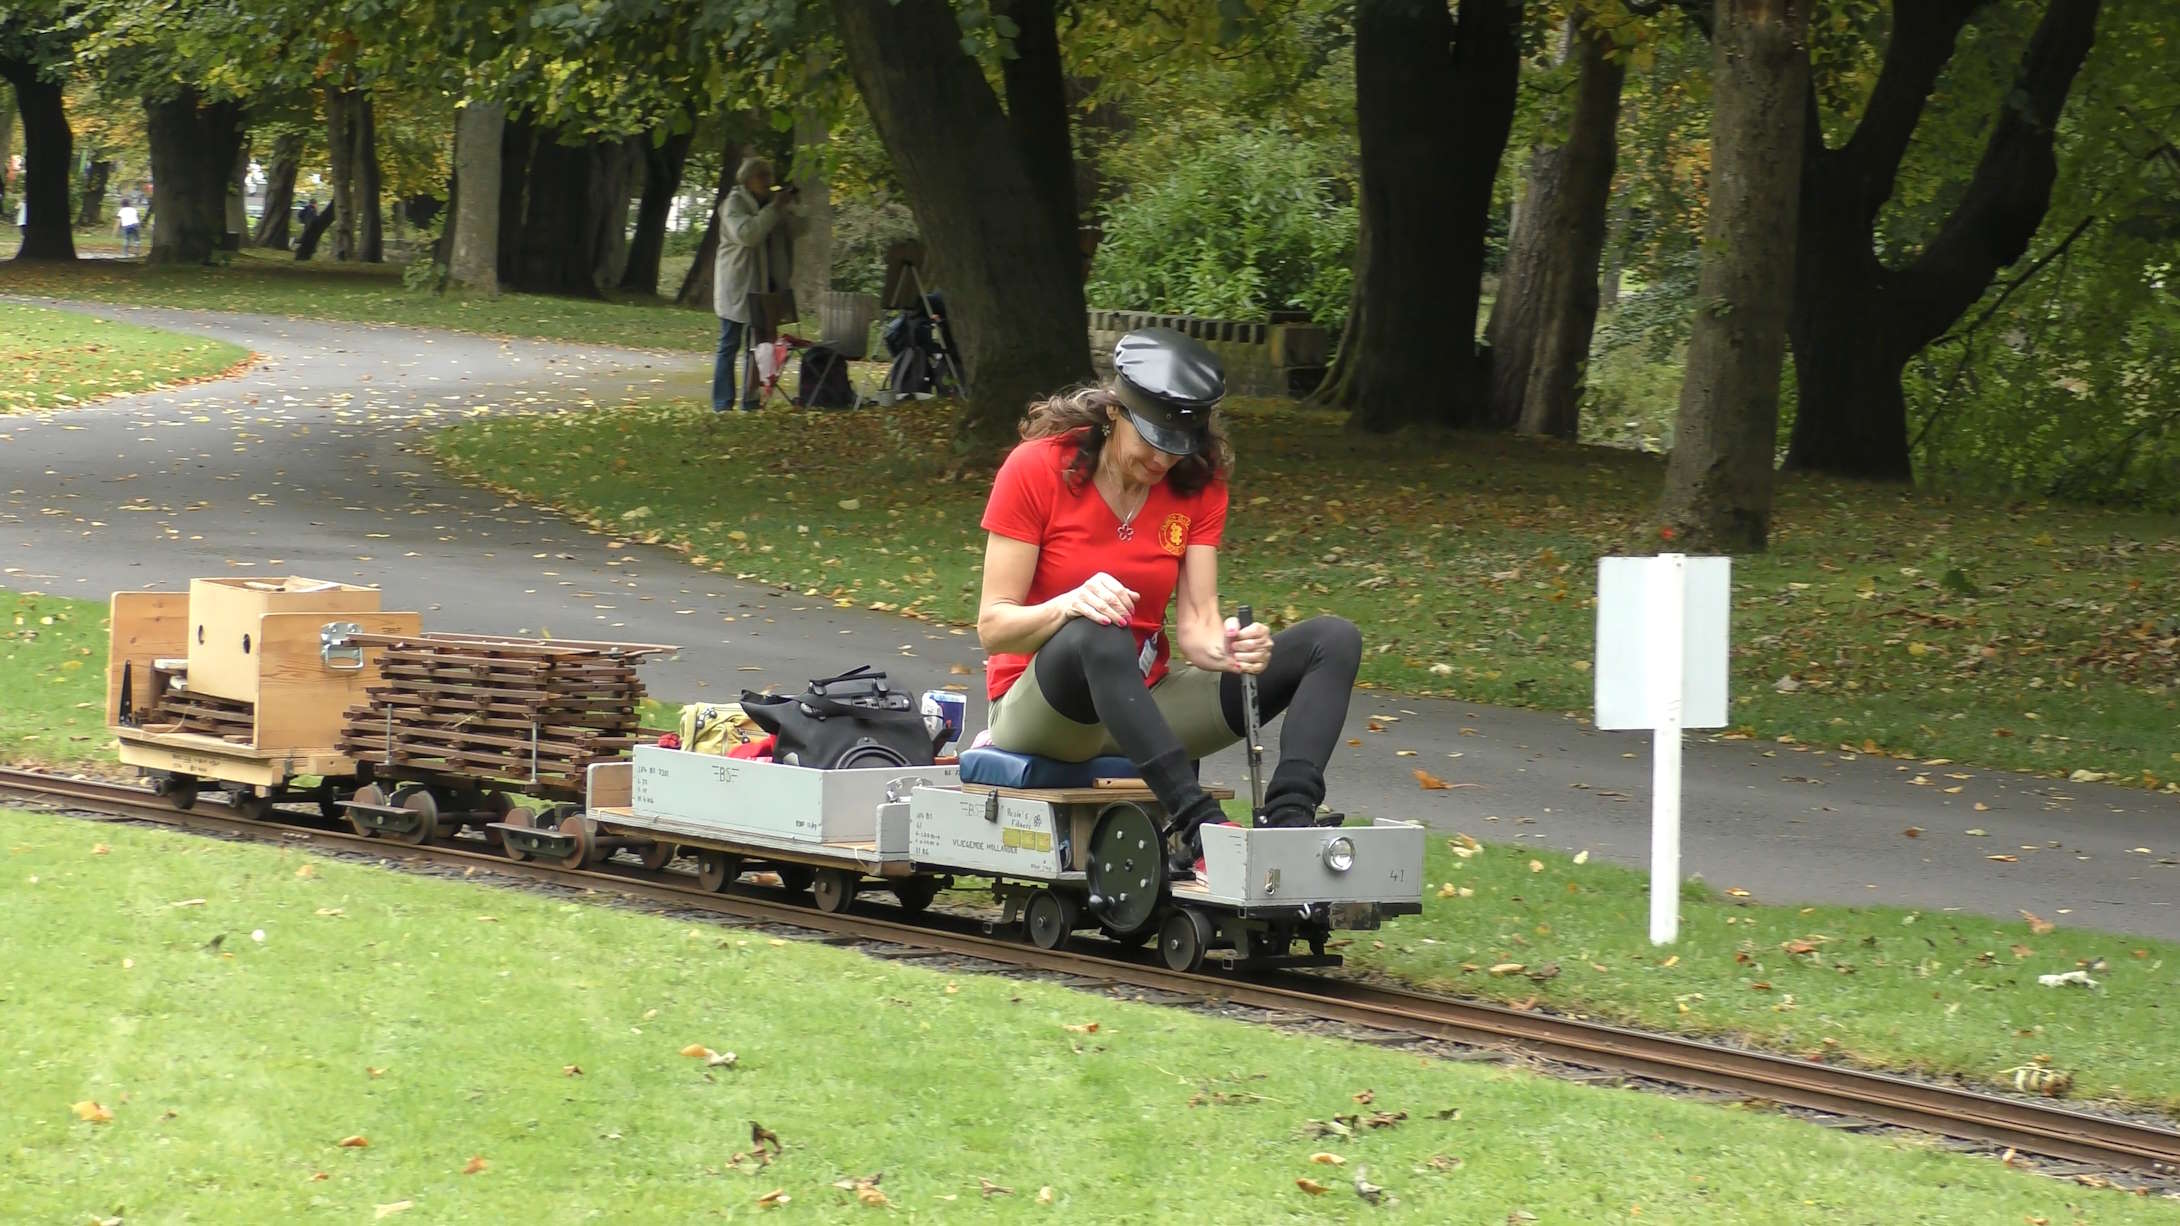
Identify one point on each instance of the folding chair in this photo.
(767, 312)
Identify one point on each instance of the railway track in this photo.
(2100, 1143)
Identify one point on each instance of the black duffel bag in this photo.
(853, 720)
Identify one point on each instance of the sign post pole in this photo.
(1669, 595)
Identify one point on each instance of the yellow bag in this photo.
(715, 727)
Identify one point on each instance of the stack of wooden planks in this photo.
(228, 719)
(524, 711)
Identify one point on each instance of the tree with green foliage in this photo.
(992, 186)
(1858, 319)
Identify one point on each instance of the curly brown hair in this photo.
(1085, 411)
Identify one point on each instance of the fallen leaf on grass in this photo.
(1737, 892)
(1325, 1159)
(387, 1211)
(571, 1070)
(1799, 947)
(1044, 1195)
(475, 1164)
(2037, 924)
(188, 902)
(1582, 856)
(319, 1176)
(92, 1113)
(761, 1136)
(1536, 866)
(373, 1073)
(989, 1189)
(773, 1199)
(353, 1143)
(100, 849)
(1312, 1187)
(307, 871)
(1369, 1191)
(1365, 1097)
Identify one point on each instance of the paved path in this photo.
(306, 465)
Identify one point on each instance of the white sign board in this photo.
(1636, 600)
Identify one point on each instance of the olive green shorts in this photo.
(1023, 722)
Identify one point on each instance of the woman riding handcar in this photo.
(1114, 502)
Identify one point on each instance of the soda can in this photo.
(944, 713)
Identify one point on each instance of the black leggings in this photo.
(1088, 674)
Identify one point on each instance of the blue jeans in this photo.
(730, 344)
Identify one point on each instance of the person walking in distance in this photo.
(756, 256)
(131, 226)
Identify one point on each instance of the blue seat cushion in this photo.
(1000, 768)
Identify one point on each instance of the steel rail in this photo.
(2027, 1126)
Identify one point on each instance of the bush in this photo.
(1249, 223)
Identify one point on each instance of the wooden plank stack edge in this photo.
(524, 712)
(227, 719)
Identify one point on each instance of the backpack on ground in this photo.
(825, 382)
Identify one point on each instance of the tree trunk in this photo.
(814, 241)
(193, 148)
(518, 144)
(1014, 287)
(696, 284)
(274, 222)
(95, 177)
(352, 147)
(1037, 109)
(7, 139)
(662, 165)
(1718, 481)
(474, 258)
(572, 225)
(1433, 104)
(237, 227)
(1547, 301)
(48, 151)
(1856, 323)
(306, 245)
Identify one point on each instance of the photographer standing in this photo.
(756, 256)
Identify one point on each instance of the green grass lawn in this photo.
(2021, 635)
(57, 359)
(52, 679)
(1883, 987)
(275, 283)
(196, 1028)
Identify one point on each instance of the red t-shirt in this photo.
(1077, 535)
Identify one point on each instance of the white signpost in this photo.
(1661, 664)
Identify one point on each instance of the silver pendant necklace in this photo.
(1127, 523)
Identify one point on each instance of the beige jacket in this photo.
(756, 252)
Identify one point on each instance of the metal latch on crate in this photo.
(338, 649)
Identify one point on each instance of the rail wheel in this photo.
(1049, 919)
(244, 802)
(915, 893)
(658, 855)
(716, 870)
(1127, 868)
(418, 799)
(179, 789)
(834, 889)
(796, 878)
(578, 827)
(369, 794)
(1183, 940)
(517, 816)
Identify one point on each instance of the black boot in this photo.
(1291, 798)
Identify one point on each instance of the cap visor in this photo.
(1169, 439)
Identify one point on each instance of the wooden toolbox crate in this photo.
(232, 681)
